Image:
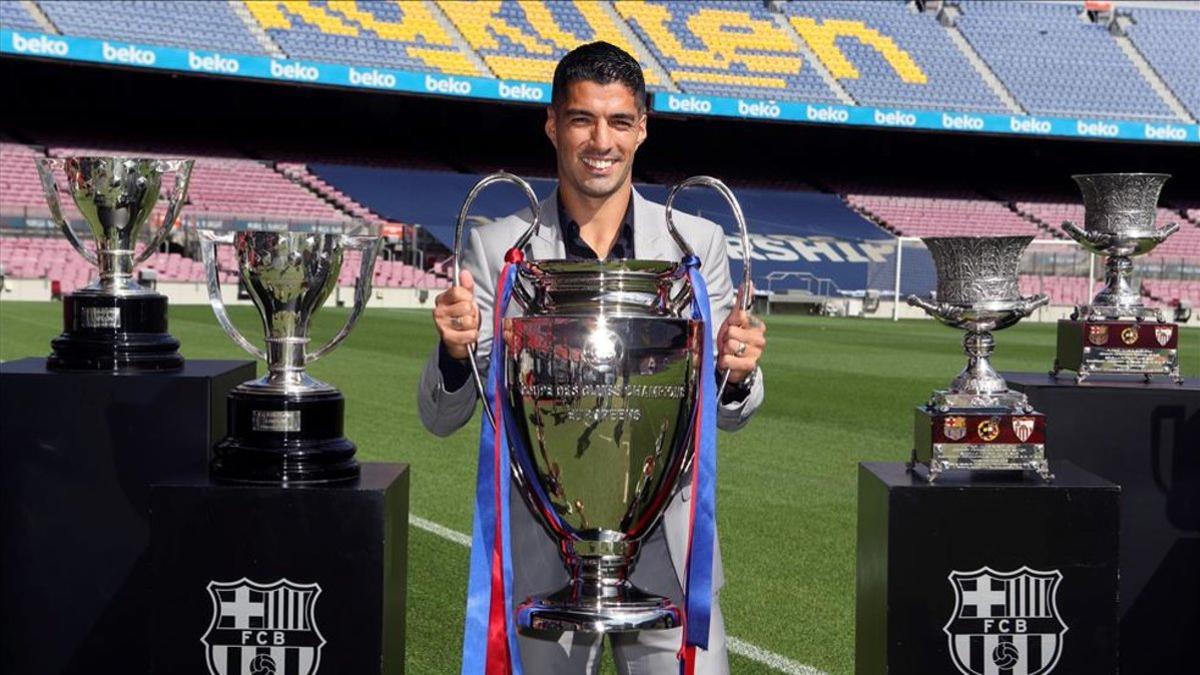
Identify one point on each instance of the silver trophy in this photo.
(1108, 335)
(602, 371)
(979, 423)
(286, 427)
(115, 323)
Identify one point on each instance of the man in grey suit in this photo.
(596, 122)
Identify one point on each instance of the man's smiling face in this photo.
(596, 131)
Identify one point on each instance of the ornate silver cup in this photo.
(287, 426)
(1119, 223)
(975, 422)
(602, 370)
(1108, 335)
(115, 323)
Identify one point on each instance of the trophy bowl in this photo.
(603, 382)
(978, 423)
(287, 427)
(115, 324)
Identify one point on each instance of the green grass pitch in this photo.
(839, 391)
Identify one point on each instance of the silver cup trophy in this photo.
(1116, 333)
(287, 427)
(978, 423)
(602, 369)
(115, 324)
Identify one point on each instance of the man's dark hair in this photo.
(602, 63)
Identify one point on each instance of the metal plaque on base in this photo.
(287, 427)
(1117, 334)
(115, 324)
(978, 424)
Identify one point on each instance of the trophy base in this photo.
(115, 334)
(1125, 347)
(623, 608)
(277, 438)
(979, 439)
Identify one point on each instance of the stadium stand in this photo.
(525, 40)
(1168, 40)
(301, 174)
(1171, 292)
(189, 25)
(20, 189)
(885, 53)
(723, 48)
(948, 214)
(14, 16)
(1063, 290)
(365, 33)
(1055, 63)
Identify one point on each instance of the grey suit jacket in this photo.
(444, 412)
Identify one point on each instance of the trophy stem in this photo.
(979, 377)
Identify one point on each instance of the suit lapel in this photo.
(649, 230)
(547, 243)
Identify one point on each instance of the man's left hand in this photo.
(741, 342)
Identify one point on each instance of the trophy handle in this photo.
(744, 300)
(1083, 237)
(183, 178)
(370, 246)
(46, 167)
(1030, 305)
(208, 248)
(936, 310)
(522, 297)
(1167, 231)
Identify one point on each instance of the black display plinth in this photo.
(78, 452)
(1145, 438)
(124, 333)
(290, 576)
(970, 576)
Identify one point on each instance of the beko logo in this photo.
(1096, 129)
(213, 64)
(895, 118)
(294, 71)
(128, 54)
(1167, 132)
(39, 45)
(372, 78)
(688, 104)
(520, 92)
(447, 85)
(1029, 125)
(962, 121)
(826, 114)
(760, 109)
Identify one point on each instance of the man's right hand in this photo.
(456, 316)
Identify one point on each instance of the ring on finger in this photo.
(741, 349)
(456, 321)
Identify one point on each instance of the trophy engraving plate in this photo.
(277, 421)
(101, 317)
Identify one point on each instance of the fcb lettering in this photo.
(263, 628)
(1005, 622)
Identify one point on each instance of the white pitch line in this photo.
(740, 647)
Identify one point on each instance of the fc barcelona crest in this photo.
(1005, 622)
(263, 629)
(1022, 427)
(955, 427)
(1098, 335)
(1163, 335)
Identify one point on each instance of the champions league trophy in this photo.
(287, 427)
(978, 423)
(1111, 335)
(602, 372)
(114, 324)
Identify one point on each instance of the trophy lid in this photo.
(635, 287)
(975, 271)
(1120, 203)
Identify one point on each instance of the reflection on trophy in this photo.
(978, 423)
(287, 426)
(1111, 334)
(602, 372)
(115, 324)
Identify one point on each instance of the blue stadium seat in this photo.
(1170, 42)
(14, 16)
(189, 25)
(1055, 63)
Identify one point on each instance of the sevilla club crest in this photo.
(1023, 427)
(1098, 335)
(1005, 622)
(1163, 334)
(263, 629)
